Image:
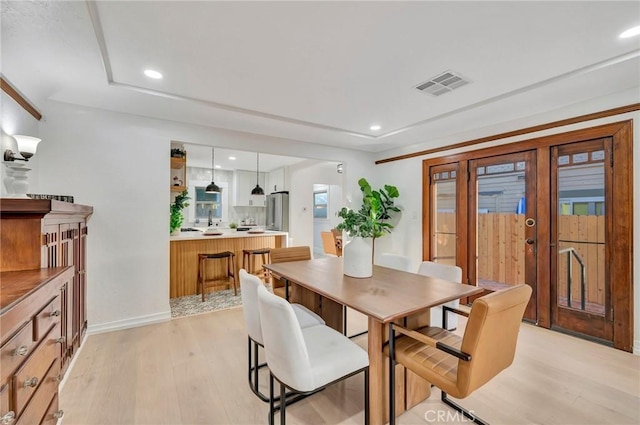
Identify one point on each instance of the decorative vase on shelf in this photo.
(357, 256)
(175, 232)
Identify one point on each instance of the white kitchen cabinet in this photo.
(244, 182)
(275, 181)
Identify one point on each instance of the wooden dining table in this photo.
(387, 296)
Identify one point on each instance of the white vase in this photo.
(357, 258)
(175, 232)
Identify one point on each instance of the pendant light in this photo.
(257, 190)
(212, 188)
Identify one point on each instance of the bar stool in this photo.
(227, 280)
(248, 262)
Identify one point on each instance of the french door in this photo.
(581, 175)
(502, 223)
(555, 213)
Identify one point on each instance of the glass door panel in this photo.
(580, 296)
(503, 220)
(444, 193)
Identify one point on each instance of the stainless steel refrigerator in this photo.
(278, 211)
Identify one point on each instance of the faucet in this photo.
(210, 222)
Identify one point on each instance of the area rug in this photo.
(214, 301)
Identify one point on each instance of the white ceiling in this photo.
(323, 71)
(200, 156)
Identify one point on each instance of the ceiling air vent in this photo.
(443, 83)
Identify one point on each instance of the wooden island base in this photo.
(184, 252)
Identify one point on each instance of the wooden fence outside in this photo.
(501, 250)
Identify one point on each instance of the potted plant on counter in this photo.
(371, 221)
(175, 210)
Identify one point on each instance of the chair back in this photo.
(441, 271)
(284, 346)
(328, 243)
(337, 240)
(491, 335)
(292, 253)
(249, 285)
(283, 255)
(395, 261)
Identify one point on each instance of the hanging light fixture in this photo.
(257, 190)
(213, 188)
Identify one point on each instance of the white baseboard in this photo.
(636, 347)
(72, 364)
(133, 322)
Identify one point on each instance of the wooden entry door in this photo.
(502, 223)
(581, 188)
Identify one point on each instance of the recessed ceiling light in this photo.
(233, 158)
(375, 127)
(630, 32)
(217, 166)
(152, 74)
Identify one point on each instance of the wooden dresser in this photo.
(42, 304)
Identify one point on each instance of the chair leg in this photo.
(461, 409)
(232, 272)
(272, 407)
(392, 375)
(283, 404)
(256, 369)
(367, 418)
(201, 273)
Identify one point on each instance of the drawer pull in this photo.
(7, 418)
(31, 382)
(58, 414)
(55, 313)
(61, 340)
(21, 351)
(58, 378)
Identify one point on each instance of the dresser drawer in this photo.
(5, 411)
(36, 410)
(53, 413)
(47, 318)
(16, 350)
(30, 375)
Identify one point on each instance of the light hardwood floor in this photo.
(193, 371)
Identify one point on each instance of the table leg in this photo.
(376, 372)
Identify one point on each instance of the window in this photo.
(320, 204)
(208, 203)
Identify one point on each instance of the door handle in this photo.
(530, 241)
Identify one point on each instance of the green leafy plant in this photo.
(233, 225)
(371, 220)
(175, 210)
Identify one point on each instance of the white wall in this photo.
(304, 175)
(119, 164)
(406, 238)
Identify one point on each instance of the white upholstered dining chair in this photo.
(445, 272)
(305, 360)
(395, 261)
(249, 285)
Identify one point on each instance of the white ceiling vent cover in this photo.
(442, 83)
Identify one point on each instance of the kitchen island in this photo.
(184, 250)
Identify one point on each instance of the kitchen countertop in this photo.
(226, 234)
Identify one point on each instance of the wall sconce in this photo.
(16, 179)
(27, 146)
